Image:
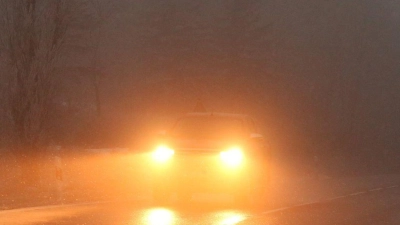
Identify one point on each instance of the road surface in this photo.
(376, 206)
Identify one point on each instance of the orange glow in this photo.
(45, 215)
(232, 157)
(163, 153)
(160, 216)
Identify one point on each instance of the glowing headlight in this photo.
(163, 153)
(232, 157)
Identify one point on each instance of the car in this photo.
(219, 152)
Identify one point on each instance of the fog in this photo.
(321, 78)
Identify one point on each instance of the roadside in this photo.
(115, 176)
(300, 190)
(88, 176)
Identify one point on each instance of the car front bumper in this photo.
(203, 172)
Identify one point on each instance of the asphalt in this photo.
(375, 206)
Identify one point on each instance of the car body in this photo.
(213, 152)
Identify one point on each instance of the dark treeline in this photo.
(321, 77)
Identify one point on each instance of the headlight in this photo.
(232, 157)
(163, 153)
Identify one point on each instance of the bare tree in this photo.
(33, 36)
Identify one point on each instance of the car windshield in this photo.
(208, 128)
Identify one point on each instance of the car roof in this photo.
(209, 114)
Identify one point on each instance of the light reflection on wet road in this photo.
(159, 216)
(376, 207)
(128, 214)
(165, 216)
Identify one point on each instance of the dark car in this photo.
(211, 152)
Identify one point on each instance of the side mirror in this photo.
(256, 139)
(257, 143)
(256, 136)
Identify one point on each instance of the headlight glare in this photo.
(232, 157)
(163, 153)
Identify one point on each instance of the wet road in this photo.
(375, 207)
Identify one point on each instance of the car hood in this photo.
(202, 145)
